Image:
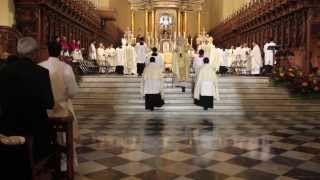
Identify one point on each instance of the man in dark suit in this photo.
(25, 96)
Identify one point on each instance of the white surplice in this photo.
(269, 54)
(206, 83)
(256, 60)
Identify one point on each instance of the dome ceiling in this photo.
(179, 4)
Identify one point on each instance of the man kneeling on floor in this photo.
(206, 88)
(152, 85)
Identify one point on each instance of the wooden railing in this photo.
(288, 22)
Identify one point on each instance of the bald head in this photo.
(26, 46)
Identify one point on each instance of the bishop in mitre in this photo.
(181, 63)
(213, 54)
(206, 86)
(152, 85)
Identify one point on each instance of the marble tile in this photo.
(96, 155)
(89, 167)
(310, 166)
(262, 156)
(133, 168)
(136, 156)
(218, 156)
(227, 168)
(180, 169)
(274, 168)
(177, 156)
(298, 155)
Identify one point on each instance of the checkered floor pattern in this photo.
(255, 147)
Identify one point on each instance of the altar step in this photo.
(101, 94)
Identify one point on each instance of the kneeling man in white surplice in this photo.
(206, 88)
(64, 87)
(152, 85)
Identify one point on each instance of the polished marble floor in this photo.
(155, 147)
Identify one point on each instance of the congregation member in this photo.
(206, 86)
(25, 95)
(64, 88)
(93, 51)
(198, 62)
(110, 55)
(141, 51)
(256, 59)
(152, 85)
(269, 53)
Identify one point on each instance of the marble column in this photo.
(199, 22)
(185, 24)
(132, 21)
(146, 22)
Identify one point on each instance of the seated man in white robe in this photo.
(256, 59)
(198, 62)
(206, 88)
(64, 88)
(152, 85)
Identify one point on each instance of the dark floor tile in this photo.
(275, 151)
(280, 134)
(205, 174)
(113, 161)
(107, 174)
(316, 159)
(287, 161)
(157, 162)
(252, 174)
(233, 150)
(196, 150)
(292, 141)
(201, 162)
(83, 149)
(303, 174)
(157, 175)
(309, 150)
(243, 161)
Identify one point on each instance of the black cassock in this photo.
(153, 100)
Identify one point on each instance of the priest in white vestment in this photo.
(206, 88)
(256, 59)
(93, 51)
(269, 53)
(110, 55)
(181, 65)
(131, 66)
(198, 62)
(159, 58)
(121, 58)
(141, 52)
(101, 59)
(231, 56)
(152, 85)
(64, 88)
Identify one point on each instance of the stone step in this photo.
(178, 102)
(170, 85)
(188, 90)
(232, 79)
(192, 107)
(111, 96)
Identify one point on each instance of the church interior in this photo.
(160, 89)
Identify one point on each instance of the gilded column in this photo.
(132, 21)
(185, 24)
(199, 22)
(146, 21)
(152, 24)
(179, 23)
